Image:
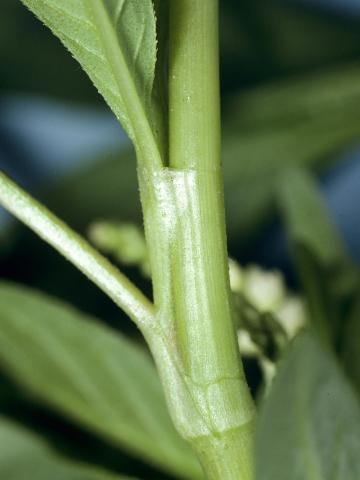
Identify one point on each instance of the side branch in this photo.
(78, 251)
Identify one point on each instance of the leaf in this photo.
(329, 279)
(24, 456)
(160, 90)
(309, 425)
(92, 374)
(115, 43)
(351, 345)
(304, 122)
(262, 40)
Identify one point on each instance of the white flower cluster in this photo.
(267, 293)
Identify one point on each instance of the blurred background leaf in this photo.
(311, 418)
(351, 345)
(263, 40)
(91, 374)
(328, 277)
(303, 121)
(24, 454)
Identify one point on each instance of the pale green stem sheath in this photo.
(73, 247)
(200, 280)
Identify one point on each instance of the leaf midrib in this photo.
(144, 138)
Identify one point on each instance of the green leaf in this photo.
(303, 121)
(329, 279)
(160, 91)
(309, 425)
(115, 43)
(351, 345)
(262, 40)
(92, 374)
(24, 456)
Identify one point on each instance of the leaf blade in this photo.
(103, 38)
(319, 430)
(302, 121)
(329, 278)
(350, 348)
(90, 374)
(23, 452)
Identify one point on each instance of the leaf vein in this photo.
(87, 49)
(63, 11)
(119, 11)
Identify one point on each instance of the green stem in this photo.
(73, 247)
(194, 93)
(227, 457)
(185, 226)
(195, 148)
